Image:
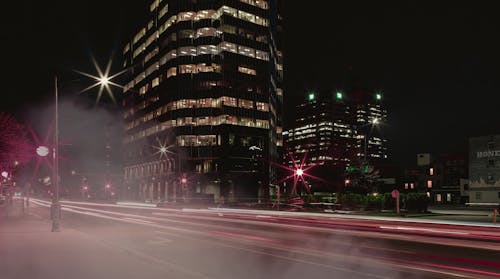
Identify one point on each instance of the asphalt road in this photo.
(176, 243)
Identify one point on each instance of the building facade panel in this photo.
(484, 169)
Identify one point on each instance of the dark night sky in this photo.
(437, 64)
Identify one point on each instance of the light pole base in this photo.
(55, 213)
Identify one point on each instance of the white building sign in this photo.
(488, 154)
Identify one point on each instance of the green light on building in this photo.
(351, 168)
(339, 95)
(311, 96)
(378, 96)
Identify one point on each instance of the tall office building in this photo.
(329, 131)
(206, 82)
(365, 107)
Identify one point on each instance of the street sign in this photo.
(395, 193)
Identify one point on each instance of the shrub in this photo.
(417, 202)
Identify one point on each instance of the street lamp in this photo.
(107, 188)
(42, 151)
(104, 80)
(299, 172)
(164, 151)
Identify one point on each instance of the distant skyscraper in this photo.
(206, 85)
(329, 130)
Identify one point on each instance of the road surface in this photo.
(126, 241)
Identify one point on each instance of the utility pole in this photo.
(55, 207)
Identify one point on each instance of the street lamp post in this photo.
(55, 206)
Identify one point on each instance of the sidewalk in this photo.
(28, 249)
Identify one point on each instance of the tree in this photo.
(361, 180)
(14, 143)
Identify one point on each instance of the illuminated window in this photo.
(230, 11)
(431, 171)
(262, 55)
(139, 35)
(151, 55)
(167, 23)
(206, 32)
(163, 11)
(406, 186)
(185, 34)
(229, 101)
(171, 72)
(490, 179)
(185, 16)
(155, 82)
(169, 55)
(247, 51)
(262, 123)
(246, 16)
(183, 51)
(438, 198)
(245, 121)
(429, 183)
(248, 104)
(187, 69)
(204, 68)
(228, 29)
(247, 70)
(258, 3)
(204, 120)
(412, 186)
(262, 106)
(154, 5)
(204, 14)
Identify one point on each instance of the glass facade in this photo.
(204, 75)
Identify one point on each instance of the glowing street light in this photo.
(164, 150)
(299, 172)
(184, 180)
(42, 151)
(104, 80)
(5, 174)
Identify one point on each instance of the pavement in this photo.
(28, 249)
